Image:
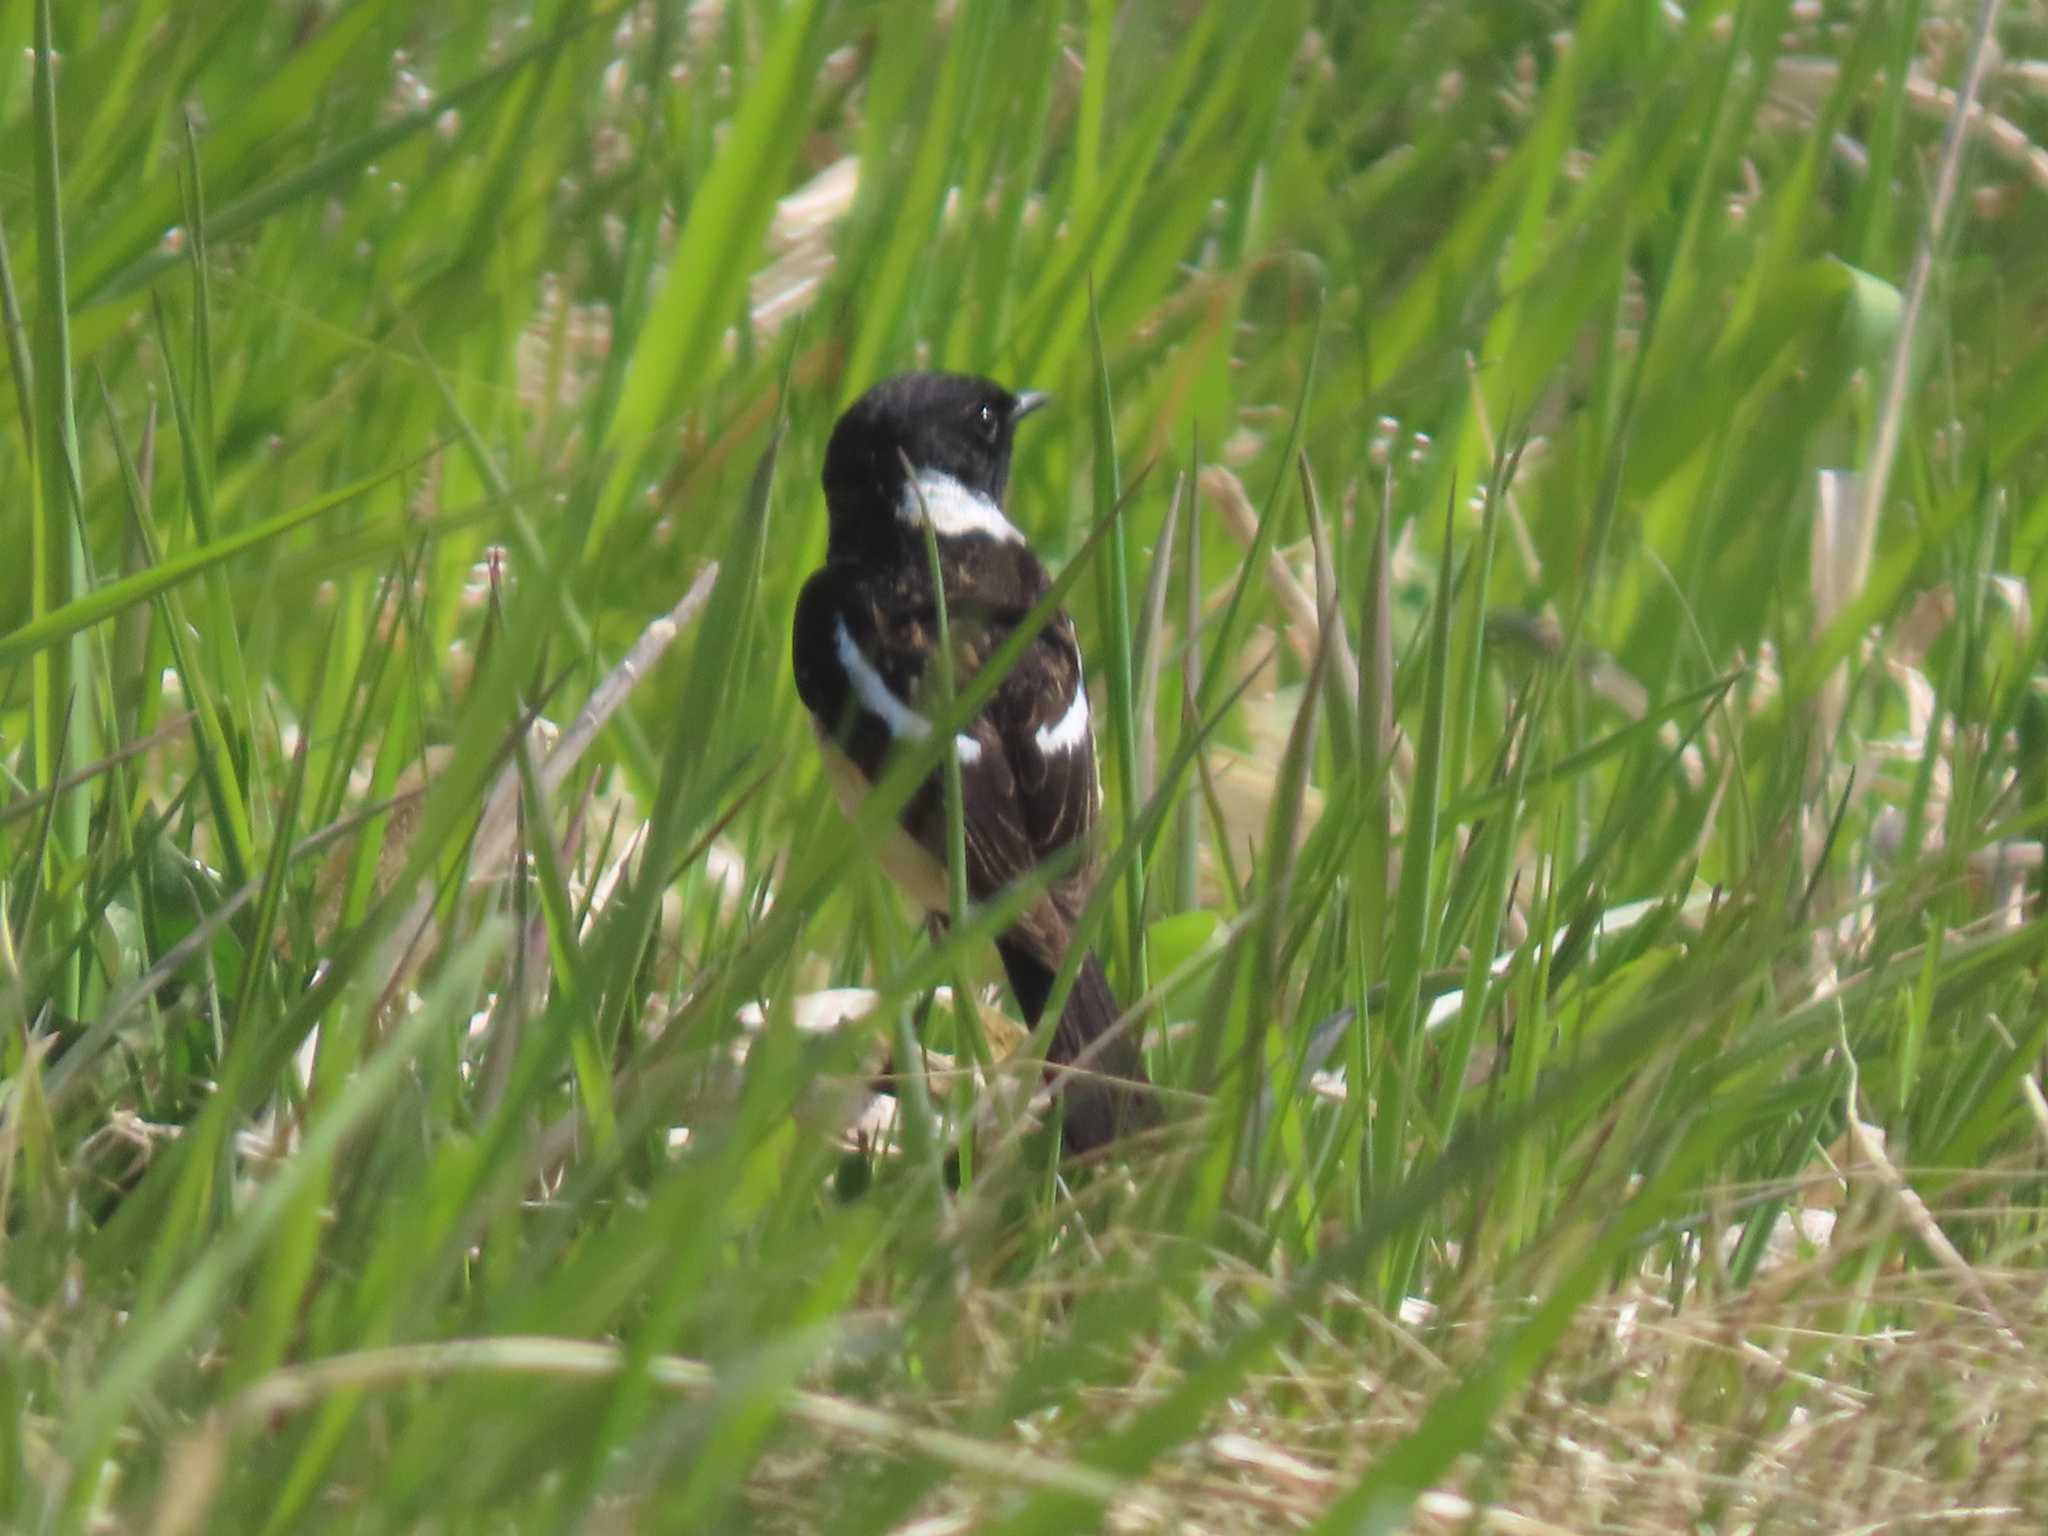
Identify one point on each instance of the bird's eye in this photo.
(985, 420)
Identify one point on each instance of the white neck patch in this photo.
(954, 508)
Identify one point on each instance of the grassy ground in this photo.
(1556, 501)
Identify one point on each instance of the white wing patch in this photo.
(876, 697)
(954, 508)
(873, 691)
(1070, 732)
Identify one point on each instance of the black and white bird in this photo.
(937, 446)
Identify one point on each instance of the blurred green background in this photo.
(1553, 496)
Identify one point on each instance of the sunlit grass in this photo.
(1562, 602)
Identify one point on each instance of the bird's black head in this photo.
(952, 430)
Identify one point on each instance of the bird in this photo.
(934, 448)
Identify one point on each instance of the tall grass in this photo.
(1553, 498)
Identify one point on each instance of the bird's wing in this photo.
(1048, 737)
(864, 669)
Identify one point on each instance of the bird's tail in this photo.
(1097, 1110)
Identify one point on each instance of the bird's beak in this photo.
(1028, 401)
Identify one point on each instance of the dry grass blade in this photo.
(1230, 498)
(29, 804)
(1891, 417)
(1151, 658)
(495, 827)
(1329, 602)
(299, 1388)
(498, 823)
(1868, 1141)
